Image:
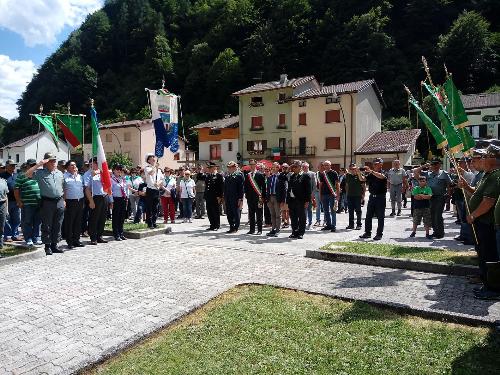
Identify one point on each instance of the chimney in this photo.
(283, 78)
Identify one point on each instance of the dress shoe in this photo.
(399, 213)
(271, 233)
(333, 229)
(358, 227)
(48, 250)
(55, 249)
(293, 235)
(437, 236)
(259, 232)
(412, 234)
(71, 246)
(392, 213)
(78, 244)
(350, 227)
(365, 235)
(299, 237)
(378, 237)
(230, 231)
(251, 232)
(326, 228)
(123, 238)
(118, 239)
(93, 242)
(459, 238)
(102, 240)
(211, 228)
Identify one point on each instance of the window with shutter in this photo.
(332, 116)
(230, 146)
(302, 119)
(332, 143)
(215, 152)
(282, 120)
(257, 122)
(249, 145)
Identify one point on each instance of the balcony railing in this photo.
(296, 151)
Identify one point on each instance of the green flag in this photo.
(457, 114)
(48, 124)
(454, 141)
(433, 129)
(72, 127)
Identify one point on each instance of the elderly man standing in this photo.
(255, 192)
(233, 196)
(397, 182)
(314, 188)
(214, 190)
(439, 181)
(329, 187)
(299, 197)
(276, 197)
(97, 198)
(11, 230)
(51, 183)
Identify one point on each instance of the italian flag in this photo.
(98, 150)
(276, 153)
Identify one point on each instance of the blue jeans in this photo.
(140, 209)
(187, 207)
(318, 205)
(11, 228)
(309, 213)
(31, 222)
(465, 228)
(328, 202)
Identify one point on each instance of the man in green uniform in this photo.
(482, 206)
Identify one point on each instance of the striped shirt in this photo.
(28, 189)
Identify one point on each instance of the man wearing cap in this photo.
(439, 181)
(28, 198)
(233, 196)
(11, 230)
(74, 197)
(255, 192)
(329, 186)
(51, 183)
(482, 216)
(299, 198)
(397, 183)
(97, 198)
(214, 191)
(377, 186)
(4, 191)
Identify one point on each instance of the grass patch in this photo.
(131, 227)
(9, 250)
(265, 330)
(397, 251)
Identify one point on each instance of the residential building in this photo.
(136, 138)
(304, 119)
(483, 111)
(389, 145)
(33, 147)
(218, 140)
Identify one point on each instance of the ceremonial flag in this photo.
(457, 114)
(98, 150)
(72, 127)
(433, 129)
(454, 141)
(276, 153)
(165, 120)
(48, 124)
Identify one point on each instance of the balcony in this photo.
(296, 151)
(256, 104)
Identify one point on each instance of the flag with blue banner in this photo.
(165, 120)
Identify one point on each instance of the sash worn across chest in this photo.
(254, 185)
(329, 183)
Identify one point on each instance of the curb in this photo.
(400, 263)
(35, 254)
(136, 235)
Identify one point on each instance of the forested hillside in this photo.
(207, 49)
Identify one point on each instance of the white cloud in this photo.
(40, 21)
(14, 76)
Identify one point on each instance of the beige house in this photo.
(303, 119)
(483, 111)
(136, 138)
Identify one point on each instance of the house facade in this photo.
(136, 138)
(303, 119)
(218, 140)
(33, 147)
(483, 111)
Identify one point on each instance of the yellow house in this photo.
(301, 118)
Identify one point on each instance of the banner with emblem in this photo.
(165, 120)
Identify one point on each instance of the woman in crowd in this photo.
(168, 197)
(133, 190)
(187, 194)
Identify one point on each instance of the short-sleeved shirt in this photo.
(376, 186)
(187, 188)
(73, 186)
(94, 183)
(156, 177)
(51, 184)
(4, 190)
(353, 185)
(333, 177)
(11, 181)
(438, 182)
(488, 187)
(424, 203)
(28, 190)
(396, 176)
(119, 188)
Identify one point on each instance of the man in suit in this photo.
(214, 190)
(255, 192)
(233, 196)
(299, 197)
(276, 197)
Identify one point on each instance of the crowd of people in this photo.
(51, 199)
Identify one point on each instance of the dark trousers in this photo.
(97, 217)
(3, 218)
(267, 215)
(255, 215)
(297, 217)
(375, 207)
(437, 208)
(119, 215)
(233, 214)
(486, 248)
(152, 200)
(354, 205)
(85, 216)
(213, 212)
(73, 220)
(51, 216)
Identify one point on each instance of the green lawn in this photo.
(9, 250)
(397, 251)
(266, 330)
(131, 227)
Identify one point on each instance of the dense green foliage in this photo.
(264, 330)
(3, 122)
(206, 49)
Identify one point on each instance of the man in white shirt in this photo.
(154, 180)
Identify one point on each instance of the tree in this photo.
(119, 158)
(396, 123)
(158, 58)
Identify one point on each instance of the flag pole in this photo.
(38, 132)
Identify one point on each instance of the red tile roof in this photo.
(389, 142)
(481, 100)
(226, 122)
(293, 82)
